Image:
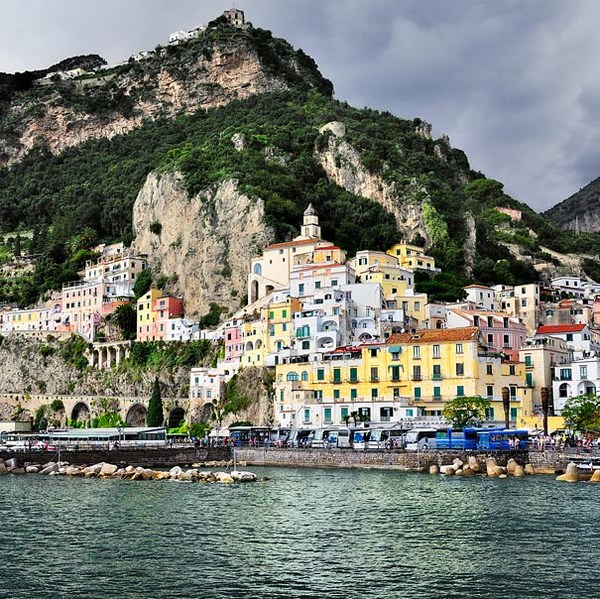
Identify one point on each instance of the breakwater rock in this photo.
(107, 470)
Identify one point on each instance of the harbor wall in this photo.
(134, 457)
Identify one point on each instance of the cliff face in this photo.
(205, 243)
(581, 211)
(343, 165)
(205, 73)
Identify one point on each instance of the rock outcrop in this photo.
(205, 243)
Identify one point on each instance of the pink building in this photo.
(500, 332)
(234, 344)
(165, 308)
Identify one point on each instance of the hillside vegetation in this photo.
(85, 194)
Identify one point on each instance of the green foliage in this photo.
(235, 401)
(125, 317)
(40, 421)
(46, 350)
(160, 355)
(582, 413)
(72, 351)
(592, 269)
(143, 283)
(107, 420)
(466, 411)
(213, 317)
(442, 287)
(155, 227)
(57, 405)
(155, 408)
(434, 223)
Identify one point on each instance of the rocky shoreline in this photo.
(512, 468)
(106, 470)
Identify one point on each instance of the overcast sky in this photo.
(515, 83)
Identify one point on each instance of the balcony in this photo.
(436, 377)
(374, 379)
(416, 377)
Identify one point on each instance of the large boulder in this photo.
(74, 471)
(434, 469)
(457, 463)
(511, 465)
(108, 470)
(474, 464)
(595, 476)
(93, 470)
(571, 475)
(243, 477)
(519, 470)
(11, 464)
(3, 468)
(468, 471)
(49, 468)
(224, 477)
(529, 469)
(491, 466)
(32, 469)
(175, 471)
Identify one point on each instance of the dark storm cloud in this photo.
(513, 82)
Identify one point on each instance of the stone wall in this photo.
(348, 458)
(135, 457)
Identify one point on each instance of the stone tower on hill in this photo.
(310, 225)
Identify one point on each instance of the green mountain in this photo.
(241, 105)
(580, 211)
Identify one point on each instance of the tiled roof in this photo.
(299, 242)
(478, 287)
(549, 329)
(435, 336)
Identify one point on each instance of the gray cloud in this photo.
(513, 82)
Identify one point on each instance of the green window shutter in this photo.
(320, 374)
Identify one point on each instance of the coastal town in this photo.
(350, 337)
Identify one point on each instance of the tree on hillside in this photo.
(125, 317)
(582, 413)
(155, 407)
(143, 283)
(466, 411)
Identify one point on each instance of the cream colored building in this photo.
(412, 256)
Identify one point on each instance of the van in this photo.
(421, 439)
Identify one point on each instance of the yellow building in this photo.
(397, 283)
(272, 334)
(412, 256)
(145, 314)
(412, 374)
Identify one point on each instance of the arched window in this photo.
(292, 376)
(257, 269)
(563, 390)
(304, 375)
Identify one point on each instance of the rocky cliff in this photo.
(203, 244)
(221, 65)
(581, 211)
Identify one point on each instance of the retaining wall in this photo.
(134, 457)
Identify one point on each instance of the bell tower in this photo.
(310, 224)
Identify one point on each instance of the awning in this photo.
(394, 349)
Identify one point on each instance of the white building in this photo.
(578, 337)
(208, 384)
(575, 378)
(482, 296)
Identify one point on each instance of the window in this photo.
(514, 413)
(336, 394)
(460, 369)
(417, 306)
(583, 372)
(306, 415)
(344, 413)
(306, 345)
(416, 373)
(506, 341)
(374, 374)
(271, 315)
(317, 284)
(327, 414)
(459, 348)
(490, 339)
(417, 393)
(284, 314)
(374, 393)
(528, 361)
(569, 336)
(490, 391)
(304, 375)
(513, 392)
(320, 374)
(437, 372)
(512, 369)
(301, 289)
(334, 282)
(523, 303)
(565, 374)
(337, 375)
(373, 353)
(489, 413)
(353, 375)
(395, 373)
(489, 369)
(529, 379)
(436, 351)
(353, 393)
(460, 391)
(437, 392)
(416, 352)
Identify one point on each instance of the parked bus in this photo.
(449, 438)
(497, 439)
(242, 436)
(279, 436)
(387, 438)
(300, 437)
(360, 438)
(421, 439)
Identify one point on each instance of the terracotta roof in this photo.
(299, 242)
(328, 247)
(479, 287)
(435, 336)
(549, 329)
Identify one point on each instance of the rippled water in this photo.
(306, 533)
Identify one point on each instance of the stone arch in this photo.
(176, 417)
(206, 412)
(253, 291)
(563, 390)
(80, 412)
(269, 289)
(136, 415)
(249, 346)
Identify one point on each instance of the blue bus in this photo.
(467, 438)
(498, 439)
